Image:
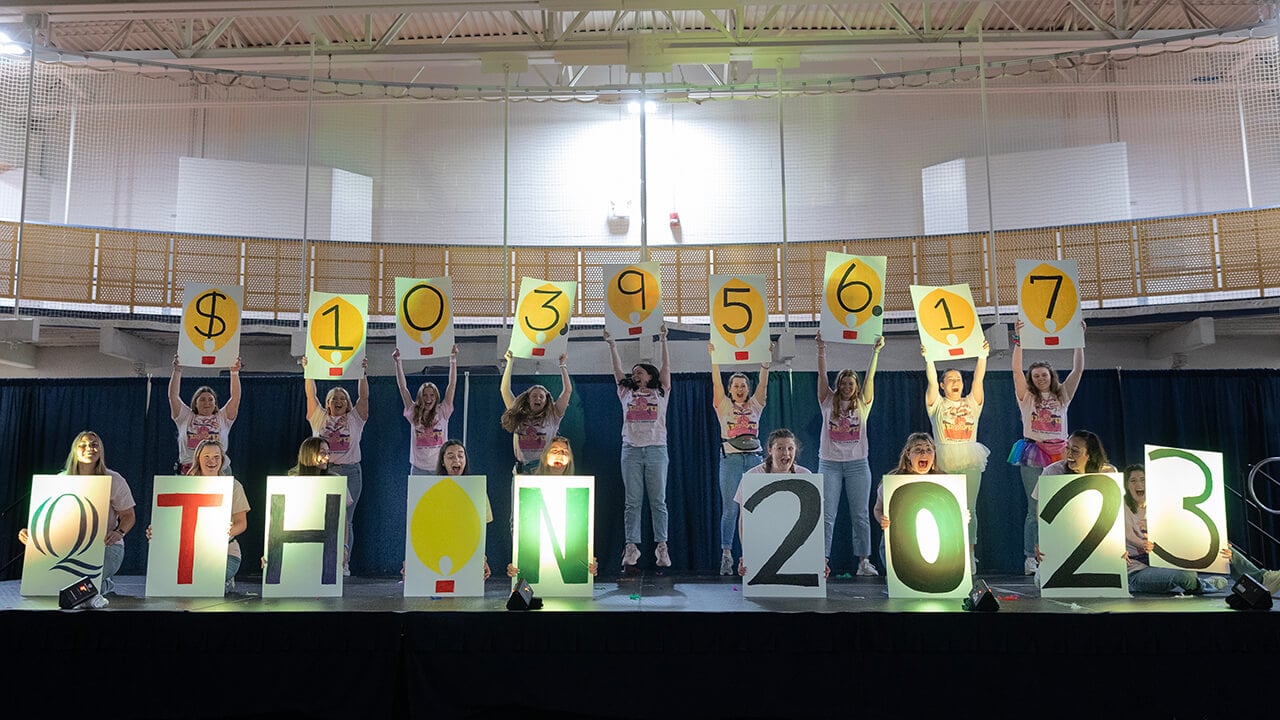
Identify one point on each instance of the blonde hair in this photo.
(332, 393)
(904, 459)
(836, 409)
(195, 457)
(519, 413)
(72, 466)
(422, 417)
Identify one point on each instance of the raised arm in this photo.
(232, 408)
(310, 386)
(1077, 369)
(406, 397)
(824, 390)
(717, 382)
(618, 374)
(362, 390)
(562, 402)
(931, 393)
(979, 373)
(762, 387)
(453, 377)
(505, 386)
(869, 382)
(175, 385)
(1019, 374)
(664, 371)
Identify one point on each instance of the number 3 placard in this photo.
(948, 321)
(542, 318)
(335, 335)
(1049, 304)
(1186, 510)
(739, 322)
(1082, 536)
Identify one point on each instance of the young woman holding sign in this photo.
(739, 414)
(782, 450)
(531, 418)
(203, 419)
(842, 451)
(557, 459)
(341, 424)
(643, 394)
(1043, 402)
(428, 416)
(918, 457)
(954, 416)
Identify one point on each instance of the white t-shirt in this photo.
(644, 417)
(192, 429)
(532, 437)
(737, 420)
(121, 500)
(342, 432)
(1043, 417)
(955, 421)
(844, 438)
(425, 443)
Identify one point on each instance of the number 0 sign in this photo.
(927, 546)
(424, 318)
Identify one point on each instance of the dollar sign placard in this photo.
(1049, 304)
(947, 321)
(739, 318)
(853, 298)
(210, 334)
(335, 334)
(424, 317)
(633, 299)
(542, 318)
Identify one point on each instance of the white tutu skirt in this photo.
(960, 457)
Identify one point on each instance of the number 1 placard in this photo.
(542, 318)
(335, 335)
(632, 300)
(947, 321)
(1186, 509)
(1049, 304)
(210, 334)
(739, 322)
(1082, 536)
(853, 298)
(424, 318)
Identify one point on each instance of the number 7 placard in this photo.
(853, 298)
(947, 321)
(739, 322)
(335, 335)
(1049, 304)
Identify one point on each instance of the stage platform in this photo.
(640, 647)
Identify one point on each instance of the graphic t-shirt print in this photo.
(643, 408)
(846, 427)
(201, 428)
(741, 422)
(956, 423)
(1046, 416)
(337, 434)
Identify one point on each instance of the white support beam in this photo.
(20, 330)
(1192, 336)
(120, 344)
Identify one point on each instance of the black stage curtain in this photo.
(1230, 411)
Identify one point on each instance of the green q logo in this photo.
(64, 528)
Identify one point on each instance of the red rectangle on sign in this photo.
(207, 360)
(1050, 340)
(741, 355)
(426, 350)
(634, 331)
(335, 372)
(539, 352)
(444, 586)
(850, 334)
(955, 351)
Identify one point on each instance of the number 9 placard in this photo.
(542, 318)
(739, 322)
(424, 317)
(947, 321)
(1049, 304)
(632, 300)
(335, 335)
(853, 298)
(927, 542)
(1082, 536)
(1186, 509)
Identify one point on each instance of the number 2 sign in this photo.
(1082, 536)
(782, 546)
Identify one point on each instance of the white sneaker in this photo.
(346, 571)
(1215, 583)
(1029, 566)
(726, 563)
(660, 552)
(630, 555)
(866, 569)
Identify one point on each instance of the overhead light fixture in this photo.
(650, 107)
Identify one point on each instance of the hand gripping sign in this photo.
(739, 322)
(632, 300)
(853, 298)
(1049, 304)
(335, 335)
(542, 318)
(210, 334)
(424, 318)
(1186, 509)
(947, 321)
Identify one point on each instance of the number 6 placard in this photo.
(739, 322)
(335, 335)
(948, 321)
(1049, 304)
(853, 298)
(1082, 536)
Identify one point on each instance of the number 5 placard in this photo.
(947, 321)
(542, 318)
(1049, 304)
(739, 323)
(335, 335)
(632, 300)
(424, 317)
(210, 334)
(1082, 536)
(853, 298)
(1186, 510)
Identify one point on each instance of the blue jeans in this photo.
(731, 469)
(415, 470)
(1031, 525)
(644, 470)
(355, 481)
(1163, 580)
(112, 559)
(233, 565)
(854, 478)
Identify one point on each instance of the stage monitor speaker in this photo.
(522, 597)
(77, 593)
(1249, 594)
(981, 599)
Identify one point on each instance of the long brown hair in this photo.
(836, 408)
(519, 413)
(1055, 387)
(775, 436)
(423, 417)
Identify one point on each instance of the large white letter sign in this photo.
(739, 321)
(190, 517)
(336, 330)
(927, 550)
(1049, 304)
(947, 321)
(853, 298)
(632, 300)
(1186, 509)
(424, 318)
(554, 533)
(444, 536)
(1082, 536)
(305, 532)
(782, 536)
(210, 334)
(67, 524)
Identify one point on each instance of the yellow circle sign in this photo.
(444, 525)
(210, 319)
(854, 293)
(336, 330)
(544, 314)
(946, 317)
(633, 294)
(423, 313)
(737, 313)
(1049, 298)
